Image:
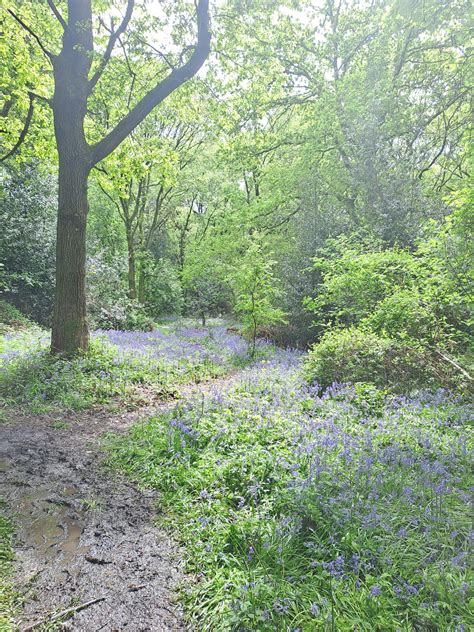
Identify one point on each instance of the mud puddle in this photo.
(82, 534)
(48, 525)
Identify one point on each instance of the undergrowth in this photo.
(123, 368)
(11, 319)
(300, 512)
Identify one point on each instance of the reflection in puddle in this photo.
(73, 534)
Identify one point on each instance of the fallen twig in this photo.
(139, 587)
(63, 613)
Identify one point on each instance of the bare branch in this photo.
(111, 43)
(24, 131)
(58, 16)
(6, 107)
(159, 53)
(131, 72)
(162, 89)
(48, 54)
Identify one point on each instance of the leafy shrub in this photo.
(256, 292)
(109, 306)
(356, 281)
(405, 312)
(127, 315)
(11, 317)
(164, 292)
(404, 315)
(27, 239)
(360, 355)
(206, 296)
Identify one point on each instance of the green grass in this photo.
(11, 319)
(43, 382)
(299, 513)
(8, 596)
(107, 374)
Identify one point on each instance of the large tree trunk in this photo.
(70, 333)
(71, 68)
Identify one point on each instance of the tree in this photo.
(256, 293)
(76, 75)
(140, 180)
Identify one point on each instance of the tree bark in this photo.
(132, 274)
(141, 285)
(71, 67)
(70, 332)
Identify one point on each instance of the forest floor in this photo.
(273, 504)
(83, 533)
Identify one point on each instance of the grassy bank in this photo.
(8, 597)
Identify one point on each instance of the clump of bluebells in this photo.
(306, 511)
(127, 367)
(186, 348)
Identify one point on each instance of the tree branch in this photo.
(111, 43)
(48, 54)
(157, 94)
(24, 131)
(58, 16)
(6, 107)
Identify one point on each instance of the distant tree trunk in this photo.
(132, 273)
(141, 285)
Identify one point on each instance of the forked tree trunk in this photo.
(72, 89)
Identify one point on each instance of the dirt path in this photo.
(83, 533)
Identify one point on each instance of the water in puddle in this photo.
(48, 526)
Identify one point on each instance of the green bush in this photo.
(404, 315)
(355, 282)
(360, 355)
(11, 317)
(126, 315)
(347, 355)
(164, 294)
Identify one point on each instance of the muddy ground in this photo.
(83, 532)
